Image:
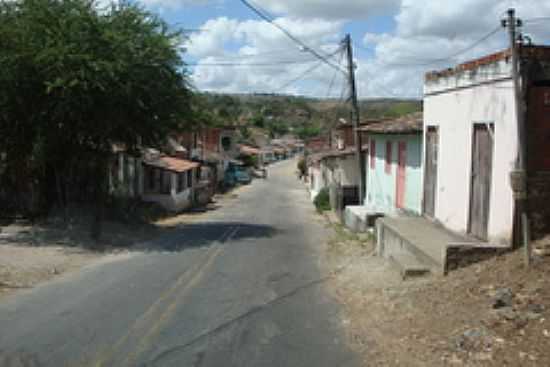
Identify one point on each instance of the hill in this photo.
(276, 115)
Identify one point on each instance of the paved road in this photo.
(237, 289)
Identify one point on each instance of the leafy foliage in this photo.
(322, 200)
(76, 80)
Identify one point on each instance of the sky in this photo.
(395, 42)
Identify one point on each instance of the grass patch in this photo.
(344, 239)
(322, 201)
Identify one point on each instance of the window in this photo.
(226, 143)
(372, 154)
(387, 167)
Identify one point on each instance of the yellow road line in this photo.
(142, 321)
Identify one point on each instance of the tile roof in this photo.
(403, 125)
(172, 164)
(245, 149)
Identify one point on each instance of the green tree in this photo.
(77, 79)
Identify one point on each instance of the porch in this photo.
(416, 245)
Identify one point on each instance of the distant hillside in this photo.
(276, 115)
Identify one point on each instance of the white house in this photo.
(471, 141)
(170, 182)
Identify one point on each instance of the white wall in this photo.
(347, 171)
(455, 111)
(315, 182)
(175, 201)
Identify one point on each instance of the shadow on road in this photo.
(186, 236)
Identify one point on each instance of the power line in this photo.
(306, 72)
(260, 55)
(290, 35)
(334, 75)
(535, 20)
(428, 62)
(301, 76)
(287, 62)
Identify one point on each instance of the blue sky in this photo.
(395, 41)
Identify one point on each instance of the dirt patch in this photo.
(31, 254)
(492, 313)
(24, 267)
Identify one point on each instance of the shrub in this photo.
(322, 200)
(302, 167)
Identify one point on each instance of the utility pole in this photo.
(518, 177)
(355, 119)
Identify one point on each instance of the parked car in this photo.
(237, 173)
(242, 175)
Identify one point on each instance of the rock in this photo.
(507, 313)
(471, 339)
(503, 298)
(535, 308)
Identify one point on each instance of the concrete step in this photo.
(408, 265)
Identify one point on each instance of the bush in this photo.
(322, 200)
(249, 160)
(302, 167)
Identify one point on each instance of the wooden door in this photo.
(480, 191)
(401, 174)
(430, 170)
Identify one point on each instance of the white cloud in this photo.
(395, 66)
(214, 34)
(258, 42)
(329, 9)
(432, 30)
(174, 4)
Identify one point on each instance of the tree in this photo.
(77, 79)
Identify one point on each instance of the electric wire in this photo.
(290, 35)
(335, 74)
(418, 62)
(304, 73)
(284, 62)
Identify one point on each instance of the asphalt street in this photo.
(239, 287)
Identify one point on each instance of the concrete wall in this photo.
(381, 185)
(455, 103)
(127, 181)
(175, 201)
(315, 181)
(346, 171)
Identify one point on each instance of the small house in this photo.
(476, 190)
(170, 181)
(393, 172)
(393, 169)
(472, 142)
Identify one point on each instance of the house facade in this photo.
(393, 172)
(393, 166)
(215, 147)
(169, 181)
(471, 142)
